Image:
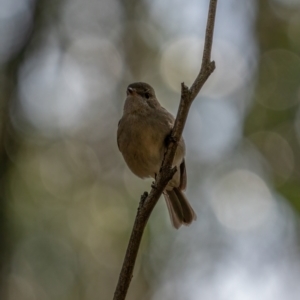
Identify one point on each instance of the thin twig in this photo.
(148, 202)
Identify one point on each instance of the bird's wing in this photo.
(183, 178)
(118, 135)
(168, 117)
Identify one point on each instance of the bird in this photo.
(142, 139)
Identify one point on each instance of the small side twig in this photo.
(148, 202)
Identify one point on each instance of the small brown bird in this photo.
(142, 133)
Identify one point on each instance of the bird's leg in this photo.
(143, 198)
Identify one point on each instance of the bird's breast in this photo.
(142, 146)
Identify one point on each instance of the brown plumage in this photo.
(142, 133)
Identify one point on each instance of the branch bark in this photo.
(148, 202)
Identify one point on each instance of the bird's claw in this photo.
(154, 185)
(143, 198)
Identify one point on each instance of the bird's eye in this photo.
(147, 95)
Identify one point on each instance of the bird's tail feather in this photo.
(180, 210)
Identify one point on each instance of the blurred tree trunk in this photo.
(8, 149)
(272, 31)
(9, 145)
(10, 142)
(4, 230)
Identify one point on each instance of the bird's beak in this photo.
(131, 91)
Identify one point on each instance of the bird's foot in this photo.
(154, 185)
(143, 198)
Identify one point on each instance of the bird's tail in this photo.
(180, 210)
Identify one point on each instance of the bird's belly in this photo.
(144, 155)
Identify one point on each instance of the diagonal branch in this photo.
(148, 202)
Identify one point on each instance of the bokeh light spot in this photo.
(182, 57)
(241, 200)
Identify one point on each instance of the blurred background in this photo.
(67, 199)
